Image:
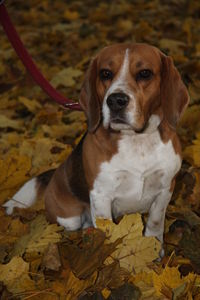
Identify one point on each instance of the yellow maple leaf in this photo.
(71, 287)
(76, 286)
(144, 280)
(45, 153)
(41, 234)
(5, 122)
(31, 104)
(171, 278)
(142, 276)
(14, 172)
(135, 251)
(15, 275)
(66, 77)
(9, 140)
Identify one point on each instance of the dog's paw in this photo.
(162, 253)
(9, 206)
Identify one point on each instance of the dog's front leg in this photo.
(100, 206)
(156, 218)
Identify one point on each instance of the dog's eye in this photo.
(144, 75)
(105, 74)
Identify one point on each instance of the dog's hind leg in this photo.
(81, 221)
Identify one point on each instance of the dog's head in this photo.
(132, 87)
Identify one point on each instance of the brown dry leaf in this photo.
(135, 251)
(111, 276)
(191, 119)
(51, 259)
(148, 292)
(2, 68)
(4, 220)
(187, 28)
(143, 30)
(192, 153)
(125, 291)
(98, 14)
(17, 228)
(37, 240)
(91, 256)
(197, 48)
(190, 245)
(14, 172)
(195, 195)
(15, 276)
(49, 114)
(184, 214)
(5, 223)
(194, 91)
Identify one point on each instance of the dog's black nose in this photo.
(117, 101)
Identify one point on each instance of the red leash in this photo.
(28, 62)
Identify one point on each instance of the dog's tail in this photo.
(27, 195)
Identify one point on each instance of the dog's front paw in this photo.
(161, 253)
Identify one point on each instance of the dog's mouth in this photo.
(118, 120)
(119, 124)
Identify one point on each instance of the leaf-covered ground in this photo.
(40, 260)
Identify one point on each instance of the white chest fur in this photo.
(136, 174)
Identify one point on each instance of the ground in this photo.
(40, 260)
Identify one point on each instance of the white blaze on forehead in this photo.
(119, 84)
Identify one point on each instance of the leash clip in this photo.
(67, 105)
(72, 105)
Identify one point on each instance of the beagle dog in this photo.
(133, 98)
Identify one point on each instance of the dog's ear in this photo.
(174, 94)
(89, 100)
